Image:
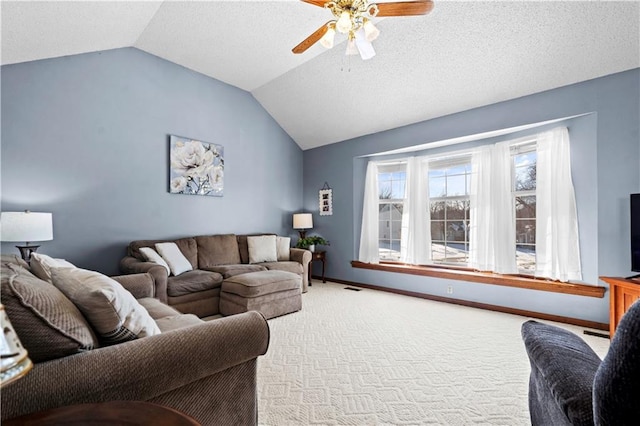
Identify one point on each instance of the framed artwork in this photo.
(326, 200)
(195, 167)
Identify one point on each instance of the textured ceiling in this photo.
(460, 56)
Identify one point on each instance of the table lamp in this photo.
(14, 360)
(26, 226)
(302, 222)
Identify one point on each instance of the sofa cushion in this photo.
(46, 321)
(228, 271)
(283, 245)
(289, 266)
(41, 265)
(157, 309)
(174, 258)
(193, 282)
(112, 311)
(179, 321)
(262, 248)
(215, 250)
(187, 246)
(258, 284)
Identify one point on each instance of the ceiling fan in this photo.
(353, 17)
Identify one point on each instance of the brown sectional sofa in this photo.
(214, 258)
(206, 370)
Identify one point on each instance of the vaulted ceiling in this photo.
(460, 56)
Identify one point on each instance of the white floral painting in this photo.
(197, 168)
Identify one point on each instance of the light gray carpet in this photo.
(376, 358)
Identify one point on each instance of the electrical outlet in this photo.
(450, 289)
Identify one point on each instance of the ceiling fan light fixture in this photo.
(370, 31)
(327, 38)
(344, 22)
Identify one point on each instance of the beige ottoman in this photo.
(272, 293)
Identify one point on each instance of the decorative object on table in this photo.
(326, 200)
(309, 243)
(15, 361)
(353, 18)
(26, 226)
(302, 222)
(196, 168)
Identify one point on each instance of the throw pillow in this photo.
(152, 256)
(262, 249)
(48, 324)
(283, 245)
(174, 258)
(41, 265)
(114, 313)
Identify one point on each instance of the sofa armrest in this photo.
(563, 367)
(166, 365)
(303, 257)
(140, 285)
(131, 265)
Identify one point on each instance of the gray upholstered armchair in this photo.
(570, 385)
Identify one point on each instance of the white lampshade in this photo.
(26, 226)
(344, 23)
(370, 30)
(327, 38)
(302, 221)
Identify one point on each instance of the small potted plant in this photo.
(310, 243)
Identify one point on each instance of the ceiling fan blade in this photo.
(312, 39)
(319, 3)
(404, 8)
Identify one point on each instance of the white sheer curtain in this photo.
(416, 230)
(557, 244)
(369, 232)
(492, 235)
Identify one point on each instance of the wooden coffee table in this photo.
(131, 413)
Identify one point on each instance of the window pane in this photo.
(526, 206)
(526, 258)
(456, 253)
(437, 210)
(456, 185)
(437, 187)
(436, 173)
(457, 210)
(396, 228)
(526, 231)
(396, 211)
(397, 190)
(437, 231)
(456, 231)
(384, 190)
(437, 252)
(525, 171)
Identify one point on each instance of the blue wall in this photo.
(86, 138)
(605, 160)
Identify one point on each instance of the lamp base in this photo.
(25, 251)
(303, 234)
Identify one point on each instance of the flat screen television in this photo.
(635, 232)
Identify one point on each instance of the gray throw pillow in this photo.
(47, 323)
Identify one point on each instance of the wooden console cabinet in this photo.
(622, 293)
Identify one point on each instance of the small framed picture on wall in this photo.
(326, 200)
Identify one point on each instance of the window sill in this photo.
(487, 278)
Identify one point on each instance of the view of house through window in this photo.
(449, 205)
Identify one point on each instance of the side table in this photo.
(317, 256)
(130, 413)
